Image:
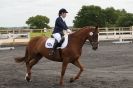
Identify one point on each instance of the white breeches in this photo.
(57, 36)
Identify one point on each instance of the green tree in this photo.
(121, 12)
(111, 16)
(38, 22)
(125, 20)
(94, 15)
(89, 15)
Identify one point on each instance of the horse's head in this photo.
(93, 37)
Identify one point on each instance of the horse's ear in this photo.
(96, 29)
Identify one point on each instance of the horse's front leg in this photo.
(77, 63)
(64, 66)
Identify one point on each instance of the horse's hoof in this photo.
(27, 79)
(71, 80)
(61, 83)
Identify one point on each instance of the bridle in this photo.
(92, 41)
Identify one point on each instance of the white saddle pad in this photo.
(50, 43)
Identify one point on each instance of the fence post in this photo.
(115, 34)
(13, 31)
(106, 32)
(29, 36)
(132, 31)
(119, 32)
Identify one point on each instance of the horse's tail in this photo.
(22, 59)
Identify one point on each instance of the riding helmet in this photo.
(62, 11)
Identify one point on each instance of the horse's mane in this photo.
(81, 30)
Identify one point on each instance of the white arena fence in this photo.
(14, 38)
(105, 34)
(17, 36)
(116, 33)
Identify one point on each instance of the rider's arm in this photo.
(62, 24)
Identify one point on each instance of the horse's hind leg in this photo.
(28, 74)
(29, 66)
(77, 63)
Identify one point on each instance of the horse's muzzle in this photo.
(95, 45)
(94, 48)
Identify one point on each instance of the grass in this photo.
(34, 34)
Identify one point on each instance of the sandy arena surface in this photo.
(111, 66)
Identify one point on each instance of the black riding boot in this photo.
(54, 47)
(61, 41)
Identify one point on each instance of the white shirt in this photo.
(63, 18)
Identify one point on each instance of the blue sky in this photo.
(16, 12)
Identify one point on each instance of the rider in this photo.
(60, 28)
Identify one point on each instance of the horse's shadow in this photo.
(41, 82)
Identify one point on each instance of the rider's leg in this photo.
(61, 41)
(62, 38)
(57, 37)
(55, 46)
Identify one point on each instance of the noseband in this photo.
(94, 43)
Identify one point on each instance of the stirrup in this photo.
(52, 53)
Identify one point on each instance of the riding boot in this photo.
(54, 47)
(61, 41)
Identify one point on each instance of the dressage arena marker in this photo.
(6, 48)
(121, 41)
(3, 37)
(13, 38)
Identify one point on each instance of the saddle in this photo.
(63, 43)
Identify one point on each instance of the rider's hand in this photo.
(65, 32)
(69, 31)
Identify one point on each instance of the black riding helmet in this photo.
(62, 11)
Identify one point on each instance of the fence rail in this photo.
(113, 33)
(14, 38)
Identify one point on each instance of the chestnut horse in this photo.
(35, 50)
